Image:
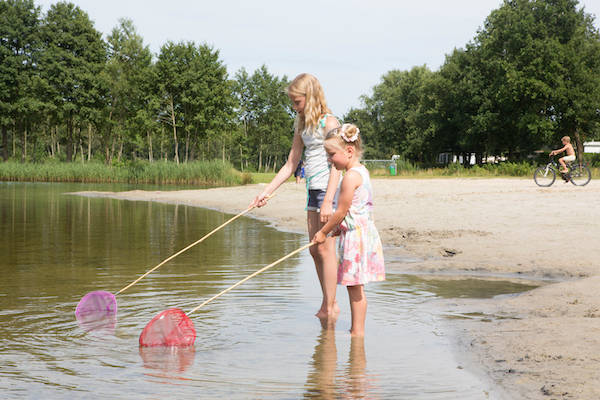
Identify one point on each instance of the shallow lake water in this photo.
(260, 340)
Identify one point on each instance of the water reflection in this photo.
(169, 360)
(466, 287)
(321, 382)
(357, 383)
(100, 322)
(56, 248)
(327, 380)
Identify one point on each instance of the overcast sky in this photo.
(347, 44)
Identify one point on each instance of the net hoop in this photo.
(96, 302)
(169, 328)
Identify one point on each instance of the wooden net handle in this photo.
(253, 275)
(190, 246)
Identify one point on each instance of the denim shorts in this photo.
(315, 199)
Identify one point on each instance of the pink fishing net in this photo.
(98, 321)
(169, 328)
(97, 302)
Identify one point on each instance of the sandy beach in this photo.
(544, 343)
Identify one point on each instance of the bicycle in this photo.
(578, 174)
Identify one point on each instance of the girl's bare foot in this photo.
(328, 323)
(356, 333)
(325, 313)
(336, 308)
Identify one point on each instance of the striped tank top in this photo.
(316, 167)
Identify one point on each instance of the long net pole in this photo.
(188, 247)
(306, 246)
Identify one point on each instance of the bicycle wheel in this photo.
(580, 175)
(544, 176)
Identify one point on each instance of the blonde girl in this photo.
(313, 120)
(360, 251)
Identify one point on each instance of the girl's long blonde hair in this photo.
(315, 105)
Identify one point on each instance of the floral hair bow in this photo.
(353, 137)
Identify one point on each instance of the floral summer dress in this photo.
(359, 248)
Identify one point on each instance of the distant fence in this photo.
(383, 164)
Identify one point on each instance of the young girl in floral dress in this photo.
(360, 250)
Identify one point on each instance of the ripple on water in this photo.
(260, 340)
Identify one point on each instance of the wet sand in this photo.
(541, 344)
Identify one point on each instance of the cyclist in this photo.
(570, 157)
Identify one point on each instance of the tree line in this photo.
(530, 75)
(66, 93)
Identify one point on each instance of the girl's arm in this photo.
(284, 173)
(334, 178)
(351, 181)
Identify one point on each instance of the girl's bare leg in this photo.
(358, 307)
(326, 265)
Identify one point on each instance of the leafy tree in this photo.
(208, 100)
(531, 75)
(373, 146)
(273, 117)
(462, 124)
(19, 49)
(170, 67)
(243, 95)
(146, 118)
(127, 73)
(539, 68)
(195, 92)
(265, 113)
(73, 57)
(398, 109)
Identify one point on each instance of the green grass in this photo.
(406, 169)
(262, 177)
(217, 173)
(409, 170)
(503, 170)
(205, 173)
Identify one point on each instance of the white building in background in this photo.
(591, 147)
(451, 158)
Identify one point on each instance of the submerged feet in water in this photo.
(324, 312)
(328, 323)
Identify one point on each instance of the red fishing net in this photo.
(169, 328)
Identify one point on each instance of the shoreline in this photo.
(537, 344)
